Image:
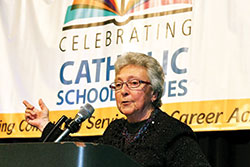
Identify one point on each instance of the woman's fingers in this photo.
(42, 105)
(28, 105)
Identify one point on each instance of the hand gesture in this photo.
(36, 117)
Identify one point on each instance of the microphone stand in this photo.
(58, 124)
(71, 127)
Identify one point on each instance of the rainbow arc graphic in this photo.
(81, 9)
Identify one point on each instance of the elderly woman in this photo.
(148, 135)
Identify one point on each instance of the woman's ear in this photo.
(154, 96)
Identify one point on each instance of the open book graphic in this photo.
(100, 8)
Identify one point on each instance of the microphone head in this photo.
(85, 112)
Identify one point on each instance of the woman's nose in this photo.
(125, 89)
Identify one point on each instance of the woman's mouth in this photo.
(126, 102)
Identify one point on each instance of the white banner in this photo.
(64, 52)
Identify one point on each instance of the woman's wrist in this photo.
(43, 125)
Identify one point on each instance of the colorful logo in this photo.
(81, 9)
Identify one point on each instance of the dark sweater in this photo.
(159, 141)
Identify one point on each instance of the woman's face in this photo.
(136, 103)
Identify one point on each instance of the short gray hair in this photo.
(154, 71)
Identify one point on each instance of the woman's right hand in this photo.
(36, 117)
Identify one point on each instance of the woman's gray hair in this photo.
(154, 71)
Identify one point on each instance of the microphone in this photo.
(74, 125)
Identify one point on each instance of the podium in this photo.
(62, 155)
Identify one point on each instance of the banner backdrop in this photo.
(64, 52)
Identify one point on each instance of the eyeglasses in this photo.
(131, 84)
